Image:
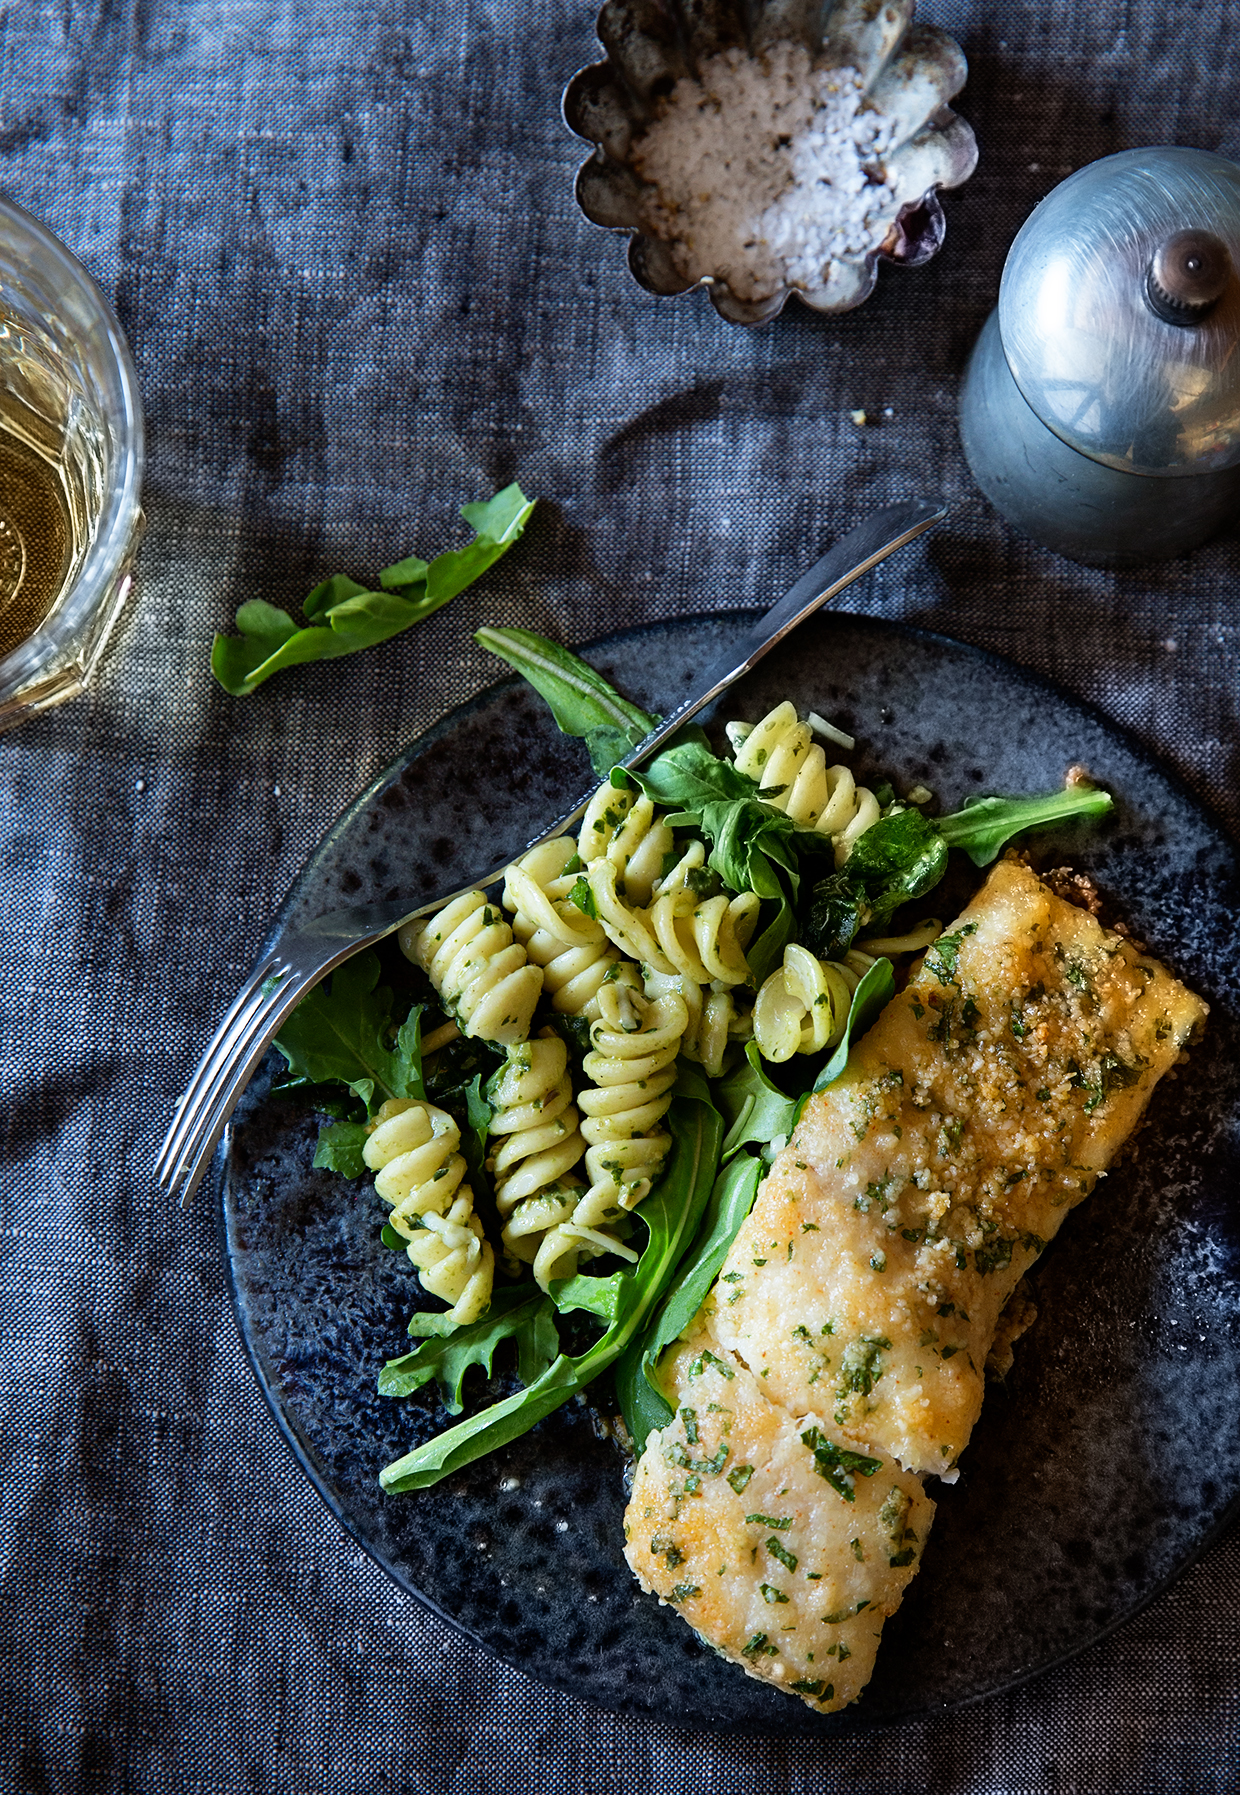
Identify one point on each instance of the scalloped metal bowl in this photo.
(909, 72)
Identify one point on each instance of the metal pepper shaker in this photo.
(1101, 405)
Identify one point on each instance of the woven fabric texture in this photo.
(343, 241)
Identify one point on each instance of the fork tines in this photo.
(255, 1015)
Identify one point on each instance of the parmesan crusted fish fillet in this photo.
(775, 1537)
(856, 1308)
(990, 1095)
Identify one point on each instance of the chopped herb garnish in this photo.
(995, 1256)
(895, 1508)
(860, 1367)
(708, 1358)
(942, 956)
(777, 1549)
(669, 1551)
(770, 1594)
(837, 1464)
(583, 897)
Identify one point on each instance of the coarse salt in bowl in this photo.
(772, 148)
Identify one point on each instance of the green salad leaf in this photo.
(339, 1149)
(520, 1313)
(641, 1399)
(582, 702)
(755, 1110)
(987, 824)
(871, 997)
(671, 1214)
(341, 1030)
(343, 616)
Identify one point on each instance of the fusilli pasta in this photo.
(793, 776)
(620, 829)
(681, 932)
(481, 973)
(414, 1147)
(571, 947)
(632, 1067)
(715, 1019)
(536, 1140)
(803, 1006)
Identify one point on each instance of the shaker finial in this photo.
(1188, 274)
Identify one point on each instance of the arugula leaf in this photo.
(454, 1067)
(339, 1149)
(872, 995)
(671, 1214)
(340, 1030)
(641, 1399)
(478, 1112)
(343, 616)
(906, 858)
(688, 777)
(582, 702)
(899, 858)
(755, 1110)
(836, 914)
(986, 824)
(521, 1313)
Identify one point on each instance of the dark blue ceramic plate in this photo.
(1112, 1457)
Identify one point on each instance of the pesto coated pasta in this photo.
(535, 1142)
(803, 1006)
(482, 974)
(632, 1068)
(716, 1018)
(571, 947)
(620, 830)
(681, 933)
(793, 776)
(415, 1148)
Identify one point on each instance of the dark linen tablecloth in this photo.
(343, 242)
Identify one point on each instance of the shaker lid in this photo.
(1120, 311)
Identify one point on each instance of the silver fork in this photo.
(299, 959)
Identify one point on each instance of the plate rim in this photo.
(852, 1721)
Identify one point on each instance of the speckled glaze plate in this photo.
(1104, 1467)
